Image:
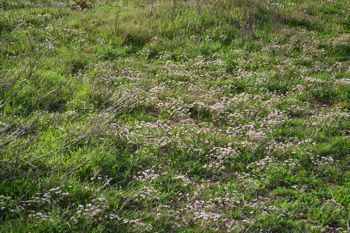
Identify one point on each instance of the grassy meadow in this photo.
(175, 116)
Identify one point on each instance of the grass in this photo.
(203, 116)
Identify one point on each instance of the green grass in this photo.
(203, 116)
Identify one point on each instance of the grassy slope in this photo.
(230, 117)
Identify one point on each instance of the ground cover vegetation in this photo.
(175, 116)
